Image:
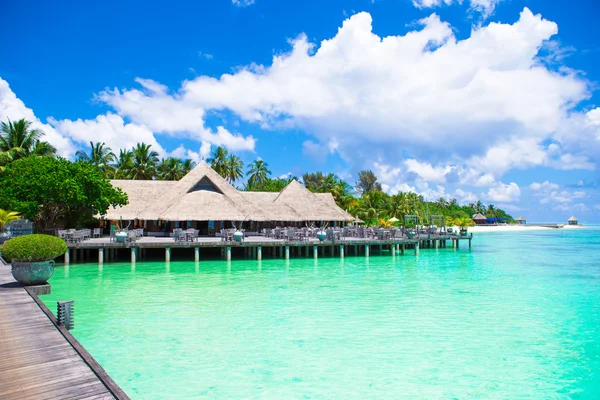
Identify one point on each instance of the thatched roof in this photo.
(479, 217)
(572, 219)
(520, 219)
(203, 195)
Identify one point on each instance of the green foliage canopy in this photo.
(46, 190)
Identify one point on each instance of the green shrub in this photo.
(33, 248)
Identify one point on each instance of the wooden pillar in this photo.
(133, 255)
(287, 252)
(417, 249)
(341, 251)
(454, 243)
(196, 254)
(393, 249)
(68, 256)
(315, 252)
(470, 243)
(167, 254)
(437, 244)
(366, 250)
(101, 256)
(259, 253)
(228, 253)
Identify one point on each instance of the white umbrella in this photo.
(393, 219)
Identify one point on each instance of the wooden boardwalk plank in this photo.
(36, 360)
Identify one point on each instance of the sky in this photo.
(493, 100)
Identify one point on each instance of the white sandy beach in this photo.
(516, 228)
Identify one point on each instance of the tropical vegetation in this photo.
(47, 190)
(7, 217)
(366, 200)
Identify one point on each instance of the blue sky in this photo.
(488, 99)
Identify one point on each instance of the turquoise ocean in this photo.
(516, 317)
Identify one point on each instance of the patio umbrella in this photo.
(393, 219)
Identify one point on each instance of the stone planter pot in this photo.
(321, 235)
(410, 234)
(238, 236)
(463, 232)
(32, 273)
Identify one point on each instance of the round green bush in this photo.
(33, 248)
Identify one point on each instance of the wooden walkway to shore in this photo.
(37, 361)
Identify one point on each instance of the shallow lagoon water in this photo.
(518, 316)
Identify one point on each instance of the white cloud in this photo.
(427, 171)
(110, 129)
(544, 186)
(242, 3)
(504, 192)
(161, 112)
(12, 107)
(485, 7)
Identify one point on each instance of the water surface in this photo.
(518, 316)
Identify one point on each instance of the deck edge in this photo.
(87, 358)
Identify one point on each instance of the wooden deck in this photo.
(38, 361)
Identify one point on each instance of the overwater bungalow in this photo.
(573, 221)
(205, 201)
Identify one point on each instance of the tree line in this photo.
(365, 200)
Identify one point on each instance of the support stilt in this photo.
(168, 254)
(196, 254)
(417, 249)
(133, 255)
(228, 253)
(366, 250)
(101, 256)
(68, 257)
(287, 252)
(259, 253)
(315, 252)
(341, 251)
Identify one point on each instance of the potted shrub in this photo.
(463, 224)
(32, 257)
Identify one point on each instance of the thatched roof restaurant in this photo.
(203, 196)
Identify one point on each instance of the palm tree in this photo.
(218, 160)
(100, 155)
(170, 169)
(8, 216)
(258, 172)
(234, 168)
(18, 140)
(144, 162)
(187, 166)
(370, 206)
(122, 168)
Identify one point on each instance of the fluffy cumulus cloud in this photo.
(504, 192)
(434, 111)
(486, 99)
(12, 107)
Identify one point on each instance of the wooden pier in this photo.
(39, 360)
(103, 250)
